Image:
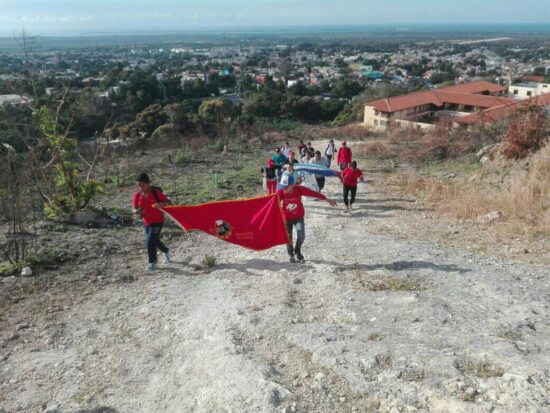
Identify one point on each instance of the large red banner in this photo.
(256, 223)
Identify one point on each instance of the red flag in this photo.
(256, 223)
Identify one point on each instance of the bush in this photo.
(526, 133)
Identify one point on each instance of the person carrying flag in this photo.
(148, 200)
(344, 156)
(350, 175)
(290, 195)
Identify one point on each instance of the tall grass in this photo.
(523, 195)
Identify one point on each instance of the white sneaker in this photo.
(168, 256)
(152, 266)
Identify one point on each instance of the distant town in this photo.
(309, 80)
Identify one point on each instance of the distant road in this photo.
(496, 39)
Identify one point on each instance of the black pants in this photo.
(300, 235)
(347, 190)
(152, 239)
(329, 160)
(343, 166)
(320, 182)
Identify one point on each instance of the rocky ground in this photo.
(378, 319)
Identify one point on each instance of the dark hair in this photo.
(277, 150)
(354, 164)
(143, 177)
(317, 152)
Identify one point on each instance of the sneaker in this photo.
(300, 257)
(291, 258)
(168, 256)
(152, 266)
(346, 210)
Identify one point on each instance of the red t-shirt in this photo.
(350, 176)
(344, 155)
(292, 203)
(144, 202)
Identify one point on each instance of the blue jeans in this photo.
(300, 236)
(152, 240)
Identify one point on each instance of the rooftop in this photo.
(465, 94)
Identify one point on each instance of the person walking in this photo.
(280, 160)
(147, 201)
(344, 156)
(319, 160)
(350, 176)
(329, 152)
(290, 196)
(286, 149)
(270, 177)
(292, 158)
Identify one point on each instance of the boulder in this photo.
(26, 272)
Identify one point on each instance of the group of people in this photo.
(279, 178)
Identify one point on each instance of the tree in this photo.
(216, 112)
(150, 119)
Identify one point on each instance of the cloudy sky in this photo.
(85, 16)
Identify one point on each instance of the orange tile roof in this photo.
(478, 86)
(533, 78)
(500, 112)
(465, 94)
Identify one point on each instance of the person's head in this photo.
(287, 183)
(344, 143)
(331, 141)
(291, 154)
(353, 164)
(317, 154)
(143, 182)
(309, 144)
(308, 155)
(277, 151)
(270, 163)
(301, 142)
(287, 144)
(290, 168)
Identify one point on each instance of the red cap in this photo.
(270, 163)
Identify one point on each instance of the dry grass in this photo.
(375, 149)
(522, 194)
(481, 368)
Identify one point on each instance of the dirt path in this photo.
(371, 322)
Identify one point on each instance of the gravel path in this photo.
(371, 322)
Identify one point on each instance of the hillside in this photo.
(381, 317)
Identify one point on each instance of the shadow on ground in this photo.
(271, 265)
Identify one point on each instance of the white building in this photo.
(528, 90)
(13, 100)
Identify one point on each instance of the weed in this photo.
(209, 261)
(481, 368)
(383, 360)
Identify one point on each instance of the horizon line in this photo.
(267, 28)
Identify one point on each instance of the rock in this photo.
(26, 272)
(489, 218)
(22, 326)
(342, 399)
(52, 408)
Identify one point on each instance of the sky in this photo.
(42, 17)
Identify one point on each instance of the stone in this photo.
(489, 218)
(26, 272)
(22, 326)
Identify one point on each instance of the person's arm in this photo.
(163, 200)
(136, 210)
(304, 191)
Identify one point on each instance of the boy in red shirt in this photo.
(344, 156)
(290, 195)
(350, 175)
(148, 200)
